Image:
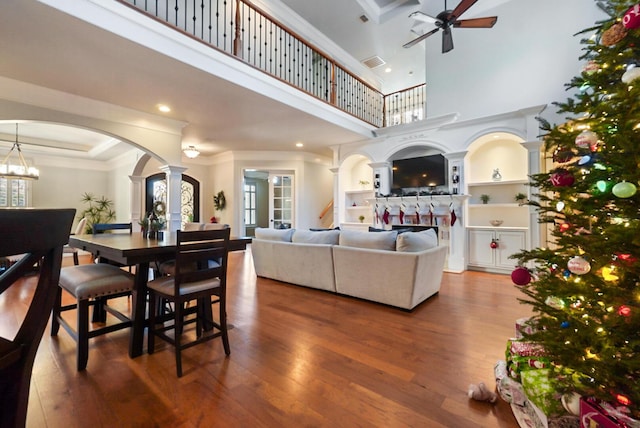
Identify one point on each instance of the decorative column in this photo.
(137, 200)
(381, 177)
(537, 231)
(336, 196)
(457, 259)
(174, 195)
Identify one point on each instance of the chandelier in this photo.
(20, 169)
(191, 152)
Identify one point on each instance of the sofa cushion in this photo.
(269, 234)
(376, 241)
(414, 242)
(329, 237)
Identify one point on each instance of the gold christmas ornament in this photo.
(613, 35)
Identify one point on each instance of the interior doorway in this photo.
(269, 198)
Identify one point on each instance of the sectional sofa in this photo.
(396, 269)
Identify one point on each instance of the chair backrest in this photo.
(215, 226)
(39, 236)
(80, 227)
(107, 227)
(197, 248)
(191, 226)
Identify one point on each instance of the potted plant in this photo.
(520, 198)
(361, 218)
(99, 210)
(485, 198)
(363, 183)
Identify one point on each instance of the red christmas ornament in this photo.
(624, 311)
(564, 227)
(562, 178)
(626, 258)
(631, 18)
(493, 244)
(623, 399)
(521, 276)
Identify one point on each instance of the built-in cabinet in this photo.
(497, 223)
(358, 209)
(490, 249)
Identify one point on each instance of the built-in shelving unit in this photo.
(357, 203)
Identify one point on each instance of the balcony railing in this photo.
(242, 30)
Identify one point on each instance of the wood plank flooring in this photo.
(299, 358)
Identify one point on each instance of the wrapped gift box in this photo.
(595, 415)
(510, 390)
(524, 326)
(541, 391)
(522, 355)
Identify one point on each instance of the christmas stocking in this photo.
(385, 216)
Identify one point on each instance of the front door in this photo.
(281, 201)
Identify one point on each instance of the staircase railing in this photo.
(239, 28)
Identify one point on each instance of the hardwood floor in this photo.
(299, 357)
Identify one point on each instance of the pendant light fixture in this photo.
(191, 152)
(19, 170)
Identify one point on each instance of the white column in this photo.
(381, 177)
(137, 200)
(174, 191)
(336, 196)
(457, 259)
(536, 230)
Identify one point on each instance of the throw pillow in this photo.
(417, 241)
(377, 241)
(329, 237)
(269, 234)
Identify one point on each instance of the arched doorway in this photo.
(156, 190)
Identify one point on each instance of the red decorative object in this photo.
(626, 258)
(521, 276)
(623, 399)
(213, 219)
(631, 18)
(564, 227)
(624, 311)
(562, 178)
(493, 244)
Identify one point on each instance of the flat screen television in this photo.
(424, 171)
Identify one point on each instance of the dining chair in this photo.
(92, 285)
(206, 284)
(37, 235)
(71, 250)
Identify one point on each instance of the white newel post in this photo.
(174, 190)
(457, 258)
(137, 200)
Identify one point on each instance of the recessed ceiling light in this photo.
(299, 145)
(387, 70)
(164, 108)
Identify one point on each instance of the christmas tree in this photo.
(585, 287)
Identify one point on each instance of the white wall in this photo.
(524, 60)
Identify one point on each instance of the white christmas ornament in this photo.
(559, 206)
(578, 265)
(630, 75)
(586, 139)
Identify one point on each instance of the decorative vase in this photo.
(153, 234)
(496, 176)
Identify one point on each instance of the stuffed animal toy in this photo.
(480, 392)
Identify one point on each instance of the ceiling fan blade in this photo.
(447, 40)
(420, 16)
(461, 8)
(487, 22)
(421, 38)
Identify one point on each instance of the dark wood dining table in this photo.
(135, 249)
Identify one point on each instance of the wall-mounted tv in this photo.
(425, 171)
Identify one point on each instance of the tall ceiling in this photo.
(48, 48)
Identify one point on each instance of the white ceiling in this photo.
(50, 49)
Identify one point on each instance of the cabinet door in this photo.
(480, 252)
(509, 242)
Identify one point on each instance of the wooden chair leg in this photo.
(151, 336)
(55, 313)
(223, 327)
(83, 334)
(178, 336)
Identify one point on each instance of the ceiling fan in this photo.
(447, 19)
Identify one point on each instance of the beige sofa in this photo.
(397, 270)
